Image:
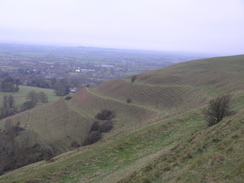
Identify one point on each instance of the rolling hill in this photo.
(160, 136)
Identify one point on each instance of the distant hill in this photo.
(159, 136)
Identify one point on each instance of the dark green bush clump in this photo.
(106, 127)
(105, 114)
(92, 138)
(99, 127)
(133, 78)
(68, 97)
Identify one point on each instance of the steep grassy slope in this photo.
(160, 136)
(54, 124)
(154, 95)
(188, 84)
(178, 149)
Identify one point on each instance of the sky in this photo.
(208, 26)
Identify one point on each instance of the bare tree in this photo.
(217, 109)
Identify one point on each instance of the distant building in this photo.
(48, 77)
(108, 66)
(73, 90)
(120, 70)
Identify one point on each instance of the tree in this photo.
(28, 105)
(8, 107)
(11, 101)
(62, 88)
(217, 109)
(133, 78)
(42, 97)
(17, 147)
(32, 96)
(5, 101)
(10, 85)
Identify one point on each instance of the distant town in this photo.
(71, 68)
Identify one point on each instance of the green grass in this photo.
(211, 91)
(161, 136)
(121, 152)
(74, 73)
(20, 96)
(171, 150)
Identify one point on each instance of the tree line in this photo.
(17, 148)
(8, 105)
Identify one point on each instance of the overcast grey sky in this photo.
(178, 25)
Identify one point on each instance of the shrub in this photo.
(27, 105)
(95, 126)
(105, 114)
(92, 138)
(128, 100)
(133, 78)
(75, 144)
(68, 97)
(217, 109)
(106, 127)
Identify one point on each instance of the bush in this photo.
(105, 114)
(106, 127)
(128, 100)
(95, 126)
(27, 105)
(217, 109)
(92, 138)
(75, 144)
(133, 78)
(68, 97)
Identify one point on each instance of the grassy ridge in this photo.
(222, 73)
(160, 137)
(127, 116)
(161, 98)
(58, 127)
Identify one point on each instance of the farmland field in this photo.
(20, 97)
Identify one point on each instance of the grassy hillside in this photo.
(161, 136)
